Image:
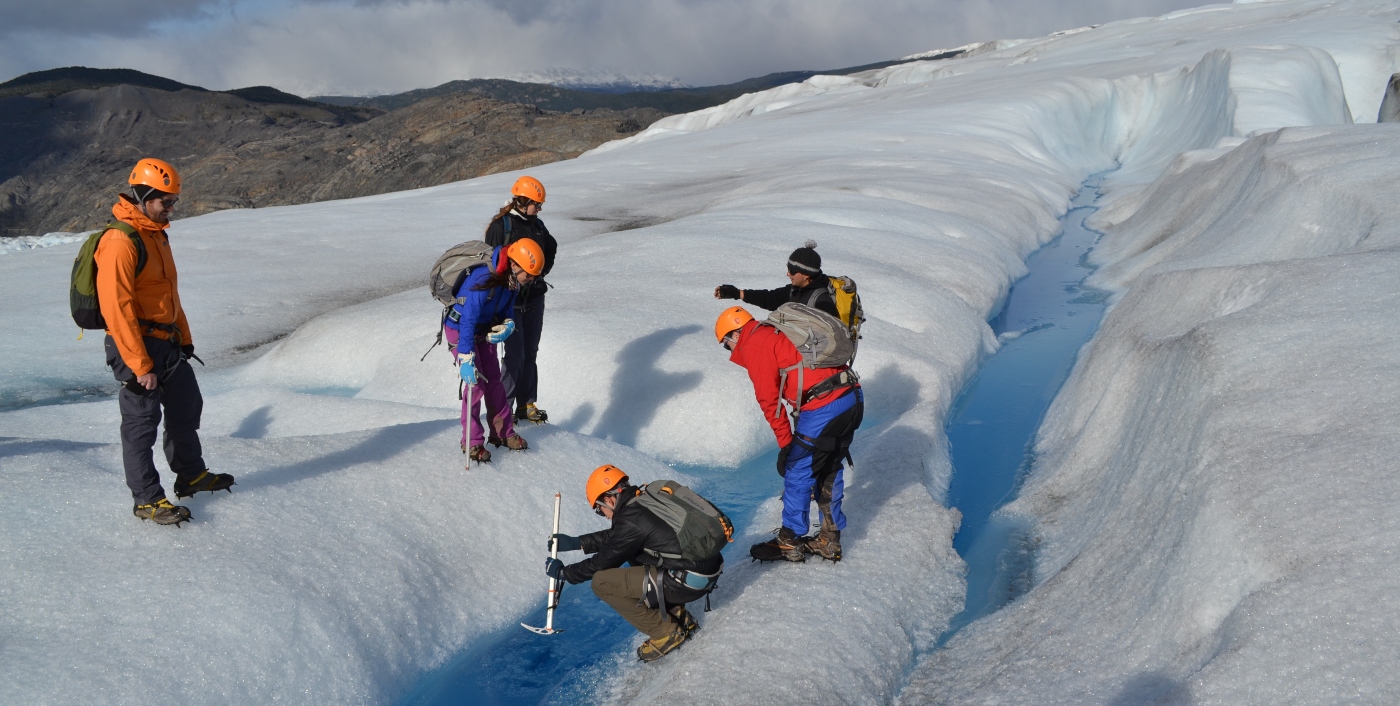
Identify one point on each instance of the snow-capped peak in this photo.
(604, 80)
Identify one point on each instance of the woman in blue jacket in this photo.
(482, 315)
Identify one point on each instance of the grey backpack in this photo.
(820, 337)
(451, 269)
(823, 342)
(701, 528)
(448, 274)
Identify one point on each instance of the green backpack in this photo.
(82, 289)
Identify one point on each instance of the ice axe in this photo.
(552, 597)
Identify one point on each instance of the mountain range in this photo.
(74, 132)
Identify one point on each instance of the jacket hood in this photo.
(126, 210)
(736, 354)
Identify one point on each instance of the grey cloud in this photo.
(376, 46)
(100, 17)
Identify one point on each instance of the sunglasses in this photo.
(169, 202)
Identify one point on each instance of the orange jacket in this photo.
(124, 297)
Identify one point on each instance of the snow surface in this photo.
(355, 554)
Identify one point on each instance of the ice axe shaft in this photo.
(552, 597)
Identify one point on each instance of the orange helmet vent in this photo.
(156, 174)
(528, 254)
(529, 187)
(731, 319)
(604, 478)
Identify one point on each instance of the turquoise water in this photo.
(1048, 316)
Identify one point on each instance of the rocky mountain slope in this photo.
(66, 156)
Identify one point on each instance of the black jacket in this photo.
(532, 228)
(771, 299)
(634, 528)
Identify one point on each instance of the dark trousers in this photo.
(521, 374)
(177, 392)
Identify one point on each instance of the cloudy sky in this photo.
(365, 47)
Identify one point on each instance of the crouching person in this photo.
(665, 573)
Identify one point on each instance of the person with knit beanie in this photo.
(807, 285)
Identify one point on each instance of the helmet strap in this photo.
(140, 204)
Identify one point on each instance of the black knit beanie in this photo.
(805, 260)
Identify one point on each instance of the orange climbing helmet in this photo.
(157, 174)
(529, 187)
(527, 254)
(731, 319)
(604, 478)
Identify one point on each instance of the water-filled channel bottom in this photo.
(1048, 316)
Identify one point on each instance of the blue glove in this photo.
(566, 543)
(501, 332)
(554, 568)
(466, 367)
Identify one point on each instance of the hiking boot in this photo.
(827, 545)
(787, 546)
(479, 454)
(514, 442)
(655, 649)
(531, 413)
(162, 512)
(206, 481)
(683, 619)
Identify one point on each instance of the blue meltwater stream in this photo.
(1046, 318)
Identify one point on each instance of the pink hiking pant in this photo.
(488, 387)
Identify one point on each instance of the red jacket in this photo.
(764, 351)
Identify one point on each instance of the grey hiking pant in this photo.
(177, 392)
(521, 374)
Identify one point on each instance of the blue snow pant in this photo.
(521, 375)
(814, 466)
(177, 392)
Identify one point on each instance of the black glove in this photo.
(783, 457)
(187, 352)
(726, 291)
(566, 543)
(554, 569)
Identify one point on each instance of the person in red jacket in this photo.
(149, 345)
(812, 451)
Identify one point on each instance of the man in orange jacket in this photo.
(148, 347)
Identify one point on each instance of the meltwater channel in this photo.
(1046, 318)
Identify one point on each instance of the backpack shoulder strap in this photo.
(136, 240)
(505, 223)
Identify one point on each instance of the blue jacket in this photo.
(483, 308)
